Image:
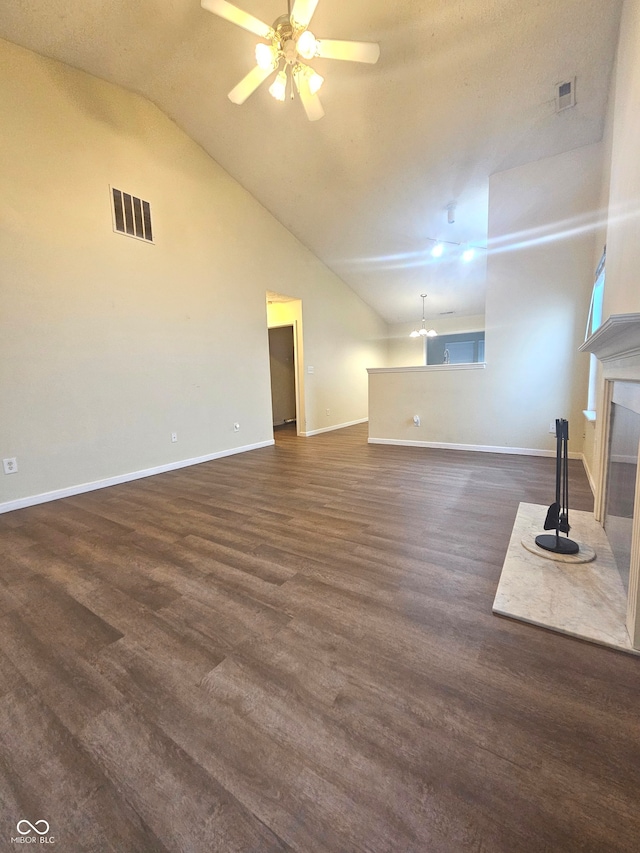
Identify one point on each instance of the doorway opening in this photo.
(284, 322)
(283, 376)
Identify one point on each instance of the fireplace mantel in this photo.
(617, 338)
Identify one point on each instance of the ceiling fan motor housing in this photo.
(285, 39)
(283, 28)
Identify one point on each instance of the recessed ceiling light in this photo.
(437, 250)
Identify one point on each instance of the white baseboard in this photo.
(331, 428)
(70, 491)
(478, 448)
(592, 483)
(623, 459)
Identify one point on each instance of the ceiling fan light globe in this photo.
(278, 89)
(307, 45)
(265, 56)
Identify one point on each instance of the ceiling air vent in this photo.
(131, 215)
(566, 95)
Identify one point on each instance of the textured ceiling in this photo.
(463, 88)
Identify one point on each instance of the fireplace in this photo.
(622, 473)
(617, 508)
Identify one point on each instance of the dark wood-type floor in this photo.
(294, 650)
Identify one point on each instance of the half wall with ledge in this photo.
(461, 407)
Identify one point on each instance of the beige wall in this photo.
(405, 351)
(622, 291)
(449, 404)
(591, 436)
(108, 344)
(620, 196)
(538, 293)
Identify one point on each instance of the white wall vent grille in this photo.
(131, 215)
(566, 95)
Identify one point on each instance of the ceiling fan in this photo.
(287, 43)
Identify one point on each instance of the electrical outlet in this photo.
(552, 427)
(10, 465)
(328, 412)
(174, 436)
(416, 420)
(236, 427)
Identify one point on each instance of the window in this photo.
(594, 321)
(597, 297)
(461, 348)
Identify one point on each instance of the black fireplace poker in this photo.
(558, 512)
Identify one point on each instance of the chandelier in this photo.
(423, 332)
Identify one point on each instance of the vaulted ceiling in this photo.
(463, 88)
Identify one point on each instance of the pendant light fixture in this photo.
(423, 332)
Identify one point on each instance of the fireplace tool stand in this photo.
(558, 512)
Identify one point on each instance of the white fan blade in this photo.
(302, 12)
(237, 16)
(354, 51)
(310, 102)
(249, 84)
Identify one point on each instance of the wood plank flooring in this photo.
(294, 650)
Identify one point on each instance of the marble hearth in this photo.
(588, 600)
(581, 599)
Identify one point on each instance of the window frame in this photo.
(594, 321)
